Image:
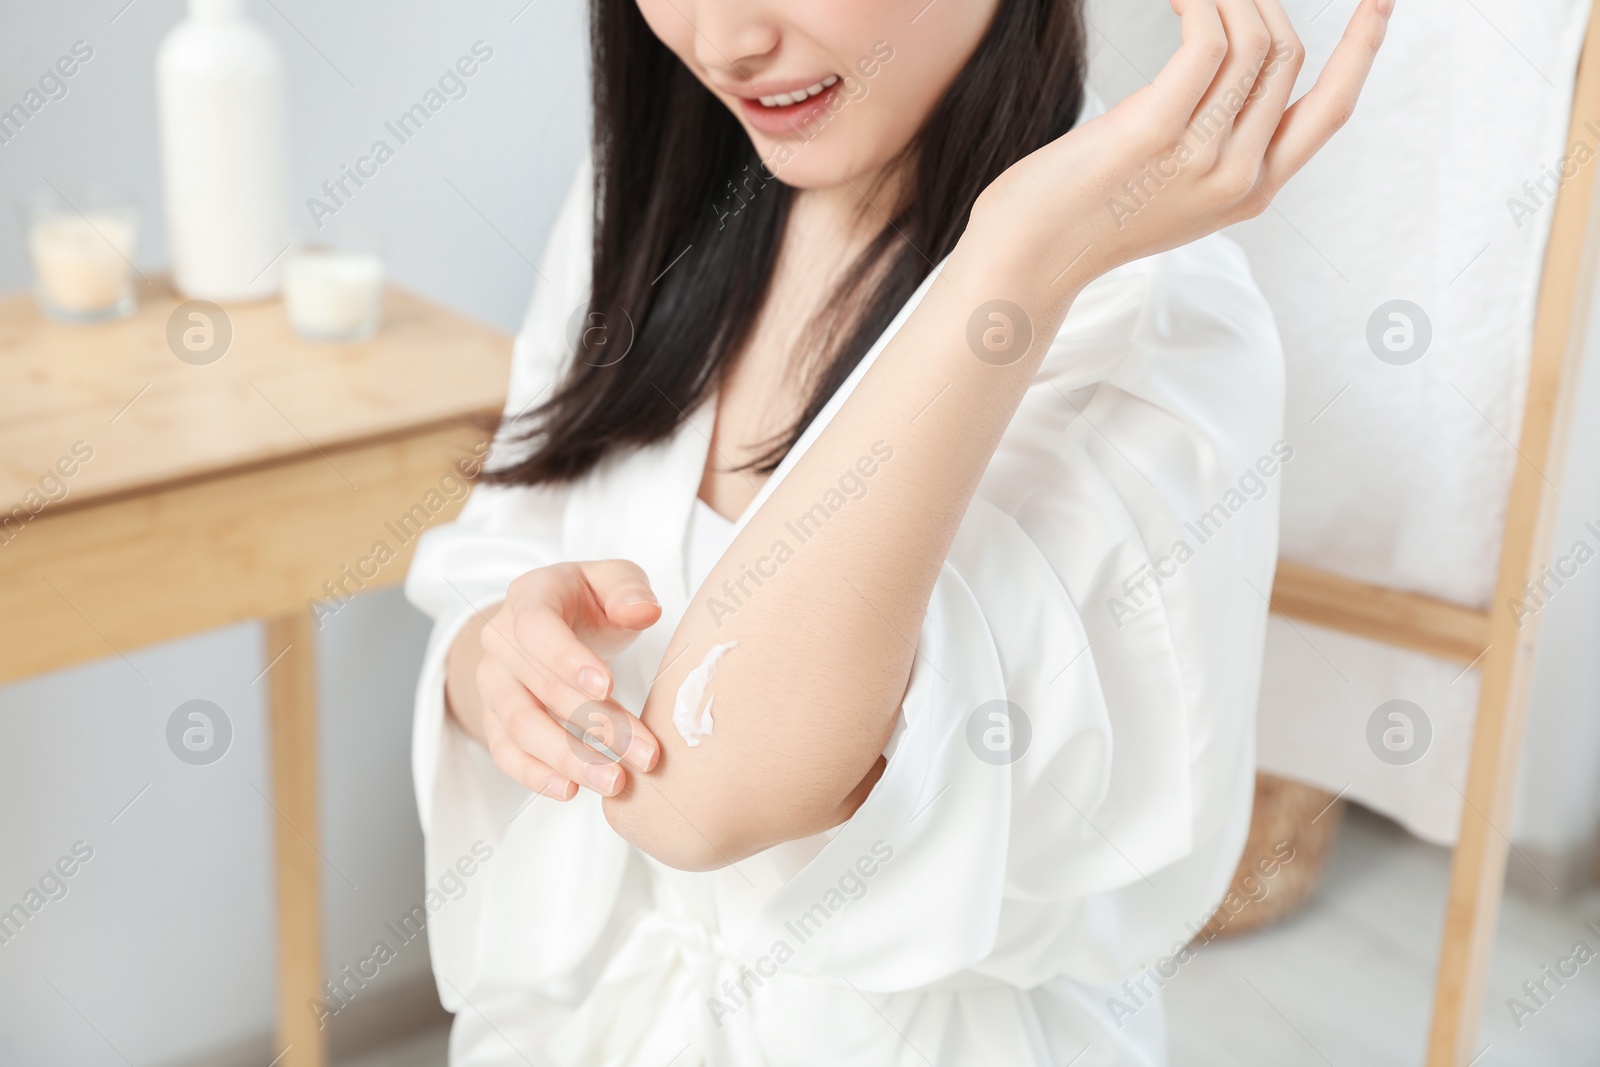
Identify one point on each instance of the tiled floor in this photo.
(1348, 982)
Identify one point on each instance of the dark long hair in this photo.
(686, 275)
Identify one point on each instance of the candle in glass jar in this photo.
(334, 295)
(83, 263)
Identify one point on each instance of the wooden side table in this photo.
(220, 490)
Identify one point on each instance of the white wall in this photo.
(510, 145)
(1558, 798)
(163, 942)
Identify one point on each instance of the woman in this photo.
(940, 608)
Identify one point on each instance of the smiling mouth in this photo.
(791, 114)
(799, 95)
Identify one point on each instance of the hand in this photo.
(1207, 144)
(544, 678)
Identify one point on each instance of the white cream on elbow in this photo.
(693, 721)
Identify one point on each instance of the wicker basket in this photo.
(1292, 831)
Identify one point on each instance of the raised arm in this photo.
(804, 634)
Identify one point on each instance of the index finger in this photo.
(1180, 85)
(1312, 120)
(534, 653)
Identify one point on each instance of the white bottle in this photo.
(224, 144)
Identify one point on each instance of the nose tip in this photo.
(733, 41)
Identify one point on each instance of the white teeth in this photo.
(786, 99)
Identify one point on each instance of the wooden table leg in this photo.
(292, 705)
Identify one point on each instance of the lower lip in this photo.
(792, 119)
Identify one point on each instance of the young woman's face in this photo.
(829, 90)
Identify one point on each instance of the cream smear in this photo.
(692, 721)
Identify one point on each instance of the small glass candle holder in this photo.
(83, 246)
(333, 289)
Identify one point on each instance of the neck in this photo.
(855, 210)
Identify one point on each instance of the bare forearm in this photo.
(825, 588)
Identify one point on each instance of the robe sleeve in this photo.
(1068, 782)
(473, 817)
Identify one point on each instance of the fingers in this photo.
(520, 767)
(1258, 121)
(607, 730)
(532, 731)
(548, 657)
(548, 680)
(536, 749)
(543, 609)
(541, 655)
(1248, 46)
(597, 608)
(545, 680)
(1314, 118)
(1182, 83)
(623, 591)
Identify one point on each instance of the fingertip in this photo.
(594, 683)
(607, 779)
(643, 751)
(635, 610)
(558, 788)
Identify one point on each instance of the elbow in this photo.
(720, 827)
(726, 804)
(697, 841)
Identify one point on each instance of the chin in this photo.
(818, 174)
(830, 159)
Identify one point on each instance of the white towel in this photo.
(1437, 193)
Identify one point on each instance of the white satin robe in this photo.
(1015, 897)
